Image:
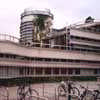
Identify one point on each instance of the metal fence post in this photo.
(69, 91)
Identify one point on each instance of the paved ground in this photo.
(48, 90)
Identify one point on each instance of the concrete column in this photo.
(67, 71)
(25, 71)
(51, 71)
(73, 71)
(59, 71)
(34, 71)
(43, 71)
(29, 71)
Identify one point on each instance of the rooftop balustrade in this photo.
(9, 38)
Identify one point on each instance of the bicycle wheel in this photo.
(20, 94)
(75, 92)
(88, 96)
(4, 94)
(32, 94)
(97, 97)
(61, 91)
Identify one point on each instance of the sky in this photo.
(65, 12)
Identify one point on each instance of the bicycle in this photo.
(88, 94)
(4, 93)
(24, 93)
(63, 89)
(97, 93)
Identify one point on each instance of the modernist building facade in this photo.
(19, 61)
(28, 26)
(71, 51)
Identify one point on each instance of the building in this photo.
(28, 26)
(71, 51)
(85, 37)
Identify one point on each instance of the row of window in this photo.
(58, 71)
(89, 43)
(83, 38)
(27, 29)
(47, 71)
(94, 29)
(11, 56)
(27, 36)
(85, 48)
(26, 23)
(27, 32)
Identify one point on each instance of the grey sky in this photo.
(65, 12)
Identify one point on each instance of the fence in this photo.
(9, 38)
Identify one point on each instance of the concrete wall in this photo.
(8, 72)
(88, 72)
(14, 73)
(11, 48)
(85, 34)
(43, 64)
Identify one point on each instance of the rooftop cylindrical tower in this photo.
(27, 26)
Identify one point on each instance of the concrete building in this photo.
(28, 26)
(72, 51)
(18, 61)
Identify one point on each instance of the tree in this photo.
(40, 27)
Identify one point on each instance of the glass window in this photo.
(70, 71)
(77, 71)
(21, 71)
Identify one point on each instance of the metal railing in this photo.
(9, 38)
(43, 45)
(63, 47)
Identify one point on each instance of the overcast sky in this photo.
(65, 12)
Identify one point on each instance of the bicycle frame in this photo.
(22, 92)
